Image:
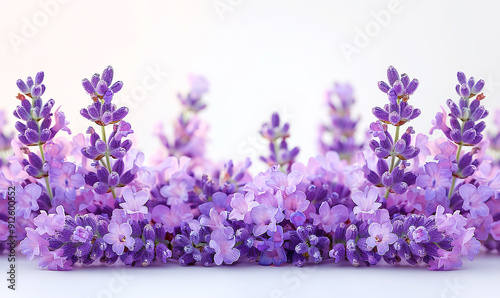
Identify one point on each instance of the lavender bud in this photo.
(45, 135)
(32, 136)
(383, 87)
(36, 91)
(392, 75)
(117, 86)
(464, 91)
(461, 77)
(469, 136)
(351, 232)
(113, 179)
(39, 78)
(88, 86)
(22, 86)
(94, 80)
(101, 88)
(478, 87)
(412, 87)
(149, 233)
(107, 75)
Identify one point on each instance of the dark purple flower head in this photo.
(402, 149)
(33, 89)
(103, 181)
(468, 88)
(396, 181)
(193, 100)
(399, 88)
(396, 114)
(273, 131)
(101, 88)
(104, 114)
(34, 166)
(278, 146)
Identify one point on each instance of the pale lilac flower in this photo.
(66, 181)
(134, 203)
(172, 217)
(223, 241)
(51, 223)
(264, 218)
(286, 183)
(328, 218)
(215, 221)
(439, 122)
(27, 199)
(495, 230)
(481, 224)
(178, 188)
(365, 202)
(119, 236)
(381, 236)
(54, 260)
(242, 205)
(123, 129)
(295, 202)
(220, 201)
(468, 245)
(377, 129)
(32, 245)
(61, 122)
(448, 260)
(435, 180)
(474, 199)
(449, 223)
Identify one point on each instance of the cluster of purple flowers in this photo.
(92, 198)
(339, 134)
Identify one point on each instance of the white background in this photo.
(260, 57)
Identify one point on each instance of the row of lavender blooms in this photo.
(404, 197)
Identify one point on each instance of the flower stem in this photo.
(454, 179)
(393, 159)
(47, 183)
(108, 163)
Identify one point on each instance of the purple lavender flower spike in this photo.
(100, 88)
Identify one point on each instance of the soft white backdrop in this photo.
(260, 56)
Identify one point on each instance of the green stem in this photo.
(393, 157)
(454, 179)
(47, 183)
(457, 157)
(108, 163)
(386, 195)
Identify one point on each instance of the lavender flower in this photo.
(101, 87)
(278, 147)
(381, 237)
(119, 237)
(338, 135)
